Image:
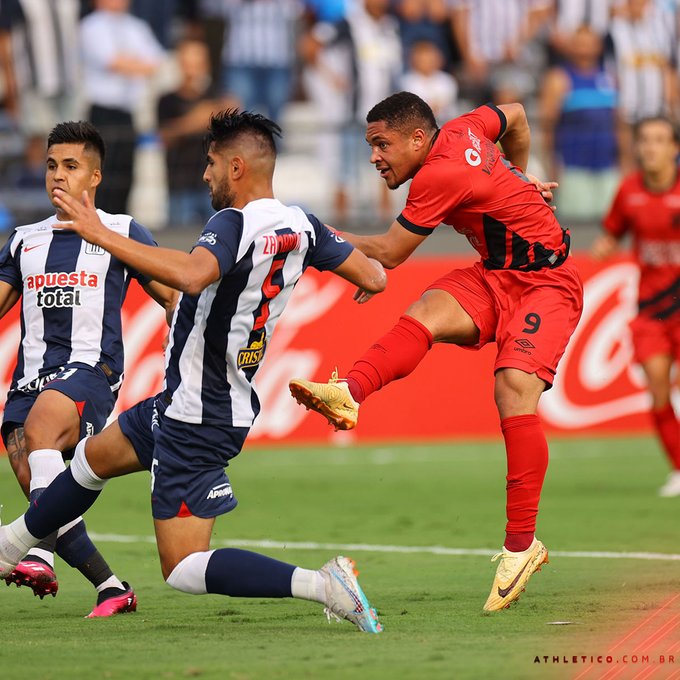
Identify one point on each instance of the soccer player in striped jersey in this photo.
(647, 206)
(70, 358)
(235, 284)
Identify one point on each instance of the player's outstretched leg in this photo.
(332, 400)
(392, 357)
(513, 572)
(242, 573)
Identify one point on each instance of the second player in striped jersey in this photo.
(70, 358)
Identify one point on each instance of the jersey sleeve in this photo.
(10, 271)
(142, 235)
(222, 236)
(434, 190)
(488, 120)
(615, 222)
(329, 250)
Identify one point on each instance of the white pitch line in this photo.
(412, 549)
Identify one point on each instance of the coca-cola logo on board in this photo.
(597, 381)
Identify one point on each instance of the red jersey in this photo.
(468, 184)
(653, 220)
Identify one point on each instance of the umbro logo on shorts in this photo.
(523, 345)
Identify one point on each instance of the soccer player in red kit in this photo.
(524, 293)
(647, 206)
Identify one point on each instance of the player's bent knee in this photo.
(82, 472)
(189, 574)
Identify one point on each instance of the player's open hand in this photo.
(545, 188)
(84, 219)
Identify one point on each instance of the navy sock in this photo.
(240, 573)
(62, 501)
(75, 546)
(50, 541)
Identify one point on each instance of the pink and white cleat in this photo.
(114, 601)
(37, 575)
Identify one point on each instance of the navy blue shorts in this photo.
(186, 460)
(86, 385)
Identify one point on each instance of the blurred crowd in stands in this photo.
(148, 73)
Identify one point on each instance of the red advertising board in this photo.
(451, 392)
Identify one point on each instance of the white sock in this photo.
(44, 555)
(45, 465)
(16, 540)
(308, 584)
(82, 472)
(189, 575)
(69, 526)
(111, 582)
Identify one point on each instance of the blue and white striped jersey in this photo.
(219, 338)
(72, 292)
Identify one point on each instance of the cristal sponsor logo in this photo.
(523, 345)
(252, 355)
(56, 281)
(220, 491)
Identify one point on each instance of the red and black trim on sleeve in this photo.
(501, 115)
(414, 228)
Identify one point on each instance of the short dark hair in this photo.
(637, 127)
(78, 132)
(228, 125)
(403, 111)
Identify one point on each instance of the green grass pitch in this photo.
(311, 503)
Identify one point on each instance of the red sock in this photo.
(394, 356)
(527, 452)
(667, 428)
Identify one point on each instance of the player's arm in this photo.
(604, 246)
(9, 296)
(365, 273)
(390, 248)
(187, 272)
(517, 137)
(165, 296)
(614, 225)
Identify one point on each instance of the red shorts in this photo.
(530, 315)
(652, 337)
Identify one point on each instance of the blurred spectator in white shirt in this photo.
(120, 53)
(427, 78)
